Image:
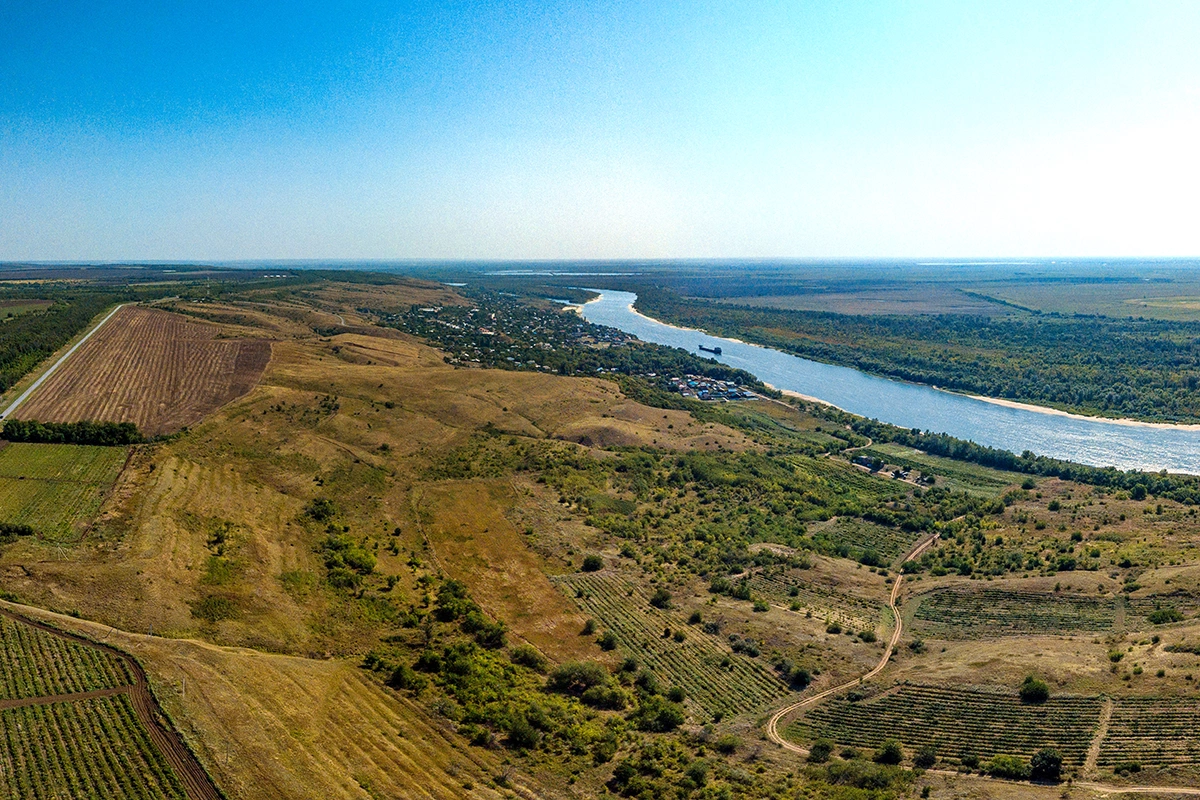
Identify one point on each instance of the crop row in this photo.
(714, 678)
(34, 663)
(846, 610)
(1153, 731)
(61, 462)
(85, 749)
(996, 611)
(890, 543)
(1180, 601)
(955, 722)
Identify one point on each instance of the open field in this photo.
(473, 541)
(1175, 298)
(57, 489)
(155, 369)
(900, 299)
(955, 722)
(14, 308)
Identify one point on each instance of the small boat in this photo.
(716, 351)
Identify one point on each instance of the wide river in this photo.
(1127, 445)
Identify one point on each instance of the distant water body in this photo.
(1085, 440)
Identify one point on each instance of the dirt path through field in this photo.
(195, 780)
(773, 723)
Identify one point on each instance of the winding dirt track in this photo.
(196, 781)
(773, 723)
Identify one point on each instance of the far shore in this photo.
(1133, 423)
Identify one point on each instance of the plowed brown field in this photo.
(152, 368)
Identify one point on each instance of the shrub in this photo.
(1010, 767)
(890, 752)
(607, 641)
(727, 744)
(1164, 615)
(593, 563)
(761, 606)
(925, 758)
(1046, 765)
(589, 628)
(697, 772)
(800, 678)
(321, 509)
(576, 677)
(1034, 691)
(867, 636)
(527, 656)
(661, 598)
(863, 775)
(403, 677)
(609, 697)
(820, 751)
(521, 734)
(658, 715)
(214, 608)
(428, 661)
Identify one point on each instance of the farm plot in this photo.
(955, 722)
(1184, 602)
(845, 609)
(56, 488)
(854, 537)
(954, 475)
(962, 613)
(155, 369)
(94, 748)
(715, 679)
(1153, 731)
(36, 663)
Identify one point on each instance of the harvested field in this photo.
(157, 370)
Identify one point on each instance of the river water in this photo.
(1085, 440)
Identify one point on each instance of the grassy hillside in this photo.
(385, 567)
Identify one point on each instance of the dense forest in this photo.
(1138, 368)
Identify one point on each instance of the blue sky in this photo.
(598, 130)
